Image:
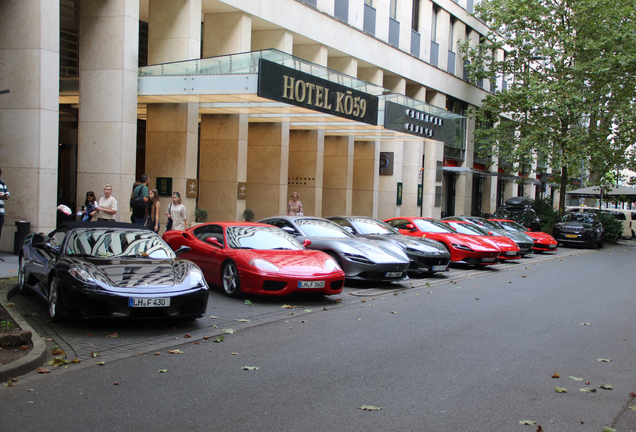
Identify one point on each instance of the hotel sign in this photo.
(283, 84)
(401, 118)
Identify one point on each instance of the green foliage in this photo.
(546, 213)
(248, 215)
(6, 325)
(613, 228)
(200, 215)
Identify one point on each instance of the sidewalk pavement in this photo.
(9, 269)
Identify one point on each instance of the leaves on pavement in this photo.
(214, 317)
(575, 378)
(94, 354)
(101, 363)
(163, 370)
(608, 429)
(218, 339)
(588, 390)
(242, 320)
(58, 361)
(560, 390)
(527, 422)
(228, 331)
(586, 323)
(556, 375)
(604, 360)
(369, 408)
(175, 351)
(114, 335)
(250, 368)
(58, 351)
(43, 370)
(606, 386)
(248, 303)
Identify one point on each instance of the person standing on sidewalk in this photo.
(141, 190)
(4, 195)
(177, 213)
(107, 207)
(152, 211)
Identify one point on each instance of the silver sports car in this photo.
(524, 241)
(359, 258)
(426, 255)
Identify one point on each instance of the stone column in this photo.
(338, 176)
(411, 167)
(366, 178)
(387, 189)
(267, 168)
(346, 65)
(226, 33)
(374, 75)
(280, 39)
(306, 164)
(29, 113)
(223, 164)
(313, 53)
(109, 35)
(174, 33)
(434, 151)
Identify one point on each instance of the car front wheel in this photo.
(231, 282)
(55, 309)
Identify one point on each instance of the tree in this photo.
(571, 69)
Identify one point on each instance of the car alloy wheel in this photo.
(54, 301)
(231, 283)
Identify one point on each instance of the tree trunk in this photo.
(563, 190)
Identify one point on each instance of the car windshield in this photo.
(512, 226)
(116, 243)
(263, 238)
(372, 226)
(578, 217)
(468, 229)
(485, 223)
(515, 214)
(322, 228)
(433, 226)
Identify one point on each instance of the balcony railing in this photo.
(369, 20)
(415, 43)
(313, 3)
(434, 53)
(451, 63)
(394, 33)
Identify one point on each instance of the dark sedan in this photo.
(110, 270)
(426, 255)
(579, 228)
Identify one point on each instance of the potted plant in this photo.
(248, 215)
(200, 216)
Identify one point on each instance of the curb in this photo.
(37, 355)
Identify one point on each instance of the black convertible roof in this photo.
(67, 226)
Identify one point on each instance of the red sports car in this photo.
(464, 249)
(244, 257)
(542, 241)
(509, 249)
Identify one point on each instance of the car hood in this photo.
(574, 224)
(542, 237)
(298, 262)
(137, 272)
(376, 251)
(516, 236)
(476, 243)
(423, 245)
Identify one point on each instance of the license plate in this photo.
(551, 246)
(393, 274)
(488, 259)
(439, 268)
(571, 236)
(311, 284)
(511, 253)
(148, 302)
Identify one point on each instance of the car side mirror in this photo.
(214, 242)
(349, 230)
(182, 249)
(490, 233)
(306, 242)
(411, 227)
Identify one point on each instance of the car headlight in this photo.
(462, 247)
(358, 258)
(196, 278)
(264, 265)
(81, 274)
(330, 265)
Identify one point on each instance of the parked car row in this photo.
(108, 270)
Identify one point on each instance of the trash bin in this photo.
(23, 229)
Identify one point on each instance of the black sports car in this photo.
(110, 270)
(426, 255)
(581, 228)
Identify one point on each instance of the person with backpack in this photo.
(139, 201)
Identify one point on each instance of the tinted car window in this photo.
(579, 217)
(372, 226)
(264, 238)
(322, 228)
(433, 226)
(105, 243)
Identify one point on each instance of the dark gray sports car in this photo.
(426, 255)
(359, 258)
(109, 270)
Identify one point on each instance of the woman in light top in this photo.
(177, 212)
(294, 207)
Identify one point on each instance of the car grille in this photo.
(570, 229)
(390, 267)
(432, 261)
(273, 285)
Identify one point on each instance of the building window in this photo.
(369, 18)
(434, 24)
(393, 9)
(368, 2)
(415, 22)
(451, 34)
(311, 2)
(341, 10)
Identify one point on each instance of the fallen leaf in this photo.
(242, 320)
(218, 339)
(114, 335)
(90, 334)
(606, 386)
(608, 429)
(338, 300)
(205, 338)
(76, 360)
(58, 351)
(175, 351)
(163, 370)
(250, 368)
(101, 363)
(303, 321)
(286, 306)
(24, 347)
(575, 378)
(477, 298)
(187, 336)
(393, 312)
(430, 292)
(556, 375)
(228, 331)
(10, 305)
(115, 383)
(586, 323)
(363, 301)
(94, 354)
(587, 382)
(632, 394)
(214, 317)
(248, 303)
(588, 390)
(560, 390)
(539, 428)
(523, 276)
(528, 422)
(290, 313)
(307, 310)
(427, 284)
(157, 353)
(369, 408)
(197, 343)
(604, 360)
(58, 361)
(633, 408)
(234, 353)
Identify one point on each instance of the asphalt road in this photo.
(472, 352)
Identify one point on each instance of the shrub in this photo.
(612, 227)
(248, 215)
(200, 215)
(546, 213)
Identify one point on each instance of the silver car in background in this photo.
(426, 255)
(359, 258)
